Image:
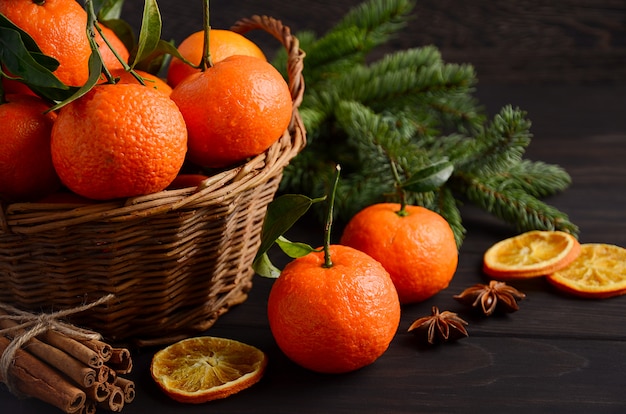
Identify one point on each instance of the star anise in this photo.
(497, 295)
(439, 327)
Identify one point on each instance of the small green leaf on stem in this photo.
(22, 58)
(108, 9)
(429, 178)
(294, 249)
(329, 219)
(263, 266)
(94, 63)
(150, 32)
(282, 213)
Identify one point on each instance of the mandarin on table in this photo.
(418, 248)
(222, 44)
(26, 170)
(119, 140)
(598, 272)
(333, 319)
(201, 369)
(59, 29)
(530, 254)
(234, 110)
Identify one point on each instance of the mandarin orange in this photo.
(234, 110)
(26, 171)
(119, 140)
(334, 319)
(418, 248)
(222, 44)
(59, 29)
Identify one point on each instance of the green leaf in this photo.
(123, 30)
(150, 32)
(95, 68)
(429, 178)
(281, 214)
(95, 64)
(263, 267)
(108, 9)
(155, 61)
(26, 62)
(294, 249)
(30, 44)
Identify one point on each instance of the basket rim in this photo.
(34, 217)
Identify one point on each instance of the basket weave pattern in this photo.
(175, 260)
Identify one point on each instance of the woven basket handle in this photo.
(295, 56)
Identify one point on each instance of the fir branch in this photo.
(424, 90)
(336, 52)
(413, 110)
(362, 29)
(537, 179)
(502, 143)
(374, 134)
(448, 207)
(404, 86)
(516, 207)
(415, 58)
(380, 18)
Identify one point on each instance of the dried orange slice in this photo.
(531, 254)
(196, 370)
(598, 272)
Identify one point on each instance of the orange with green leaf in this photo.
(333, 309)
(70, 46)
(42, 20)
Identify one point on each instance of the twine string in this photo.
(33, 325)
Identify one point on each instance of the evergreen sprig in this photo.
(412, 110)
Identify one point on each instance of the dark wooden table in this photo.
(557, 354)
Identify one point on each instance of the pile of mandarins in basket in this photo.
(131, 133)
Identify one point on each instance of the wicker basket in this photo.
(175, 260)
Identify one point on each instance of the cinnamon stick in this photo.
(79, 373)
(73, 347)
(36, 379)
(115, 402)
(99, 392)
(103, 374)
(121, 360)
(112, 375)
(101, 348)
(128, 387)
(89, 408)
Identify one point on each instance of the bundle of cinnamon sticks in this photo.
(75, 374)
